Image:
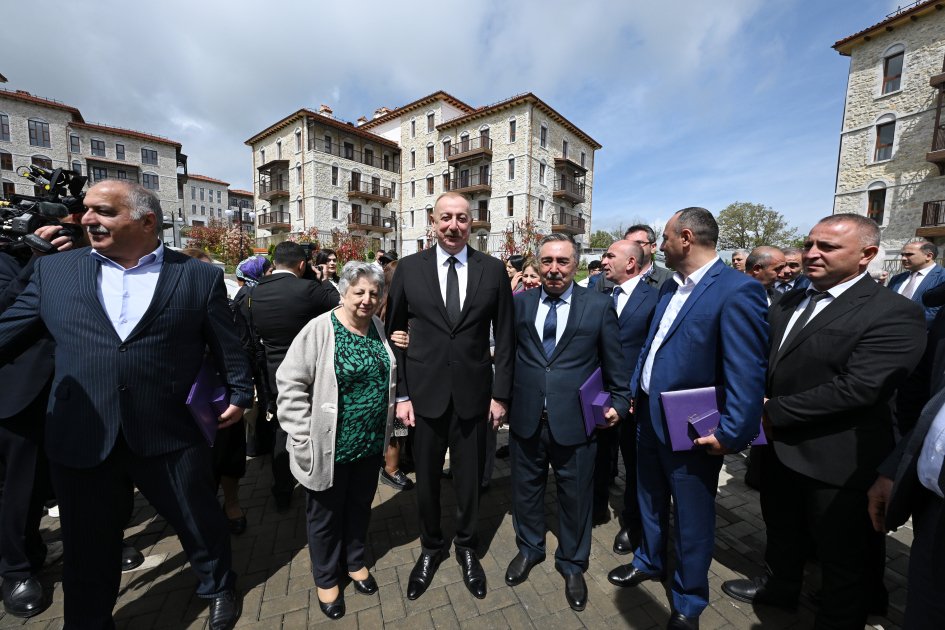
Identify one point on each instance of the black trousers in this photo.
(25, 488)
(573, 468)
(466, 440)
(605, 465)
(338, 520)
(630, 516)
(925, 601)
(95, 505)
(798, 509)
(282, 480)
(229, 452)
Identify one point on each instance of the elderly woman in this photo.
(336, 403)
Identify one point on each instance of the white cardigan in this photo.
(308, 401)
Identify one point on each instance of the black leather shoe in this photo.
(422, 574)
(473, 575)
(628, 575)
(131, 558)
(237, 525)
(519, 569)
(623, 543)
(397, 480)
(575, 591)
(679, 621)
(24, 598)
(335, 609)
(755, 591)
(366, 586)
(225, 610)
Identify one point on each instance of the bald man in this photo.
(764, 264)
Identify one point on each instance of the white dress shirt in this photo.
(562, 311)
(462, 272)
(832, 294)
(929, 466)
(686, 286)
(126, 294)
(626, 288)
(921, 273)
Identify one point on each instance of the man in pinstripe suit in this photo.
(131, 322)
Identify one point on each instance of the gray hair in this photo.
(761, 256)
(556, 237)
(867, 229)
(743, 252)
(355, 270)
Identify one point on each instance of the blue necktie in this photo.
(550, 330)
(616, 295)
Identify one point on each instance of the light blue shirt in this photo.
(125, 294)
(563, 310)
(929, 466)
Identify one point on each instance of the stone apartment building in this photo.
(892, 145)
(379, 178)
(45, 132)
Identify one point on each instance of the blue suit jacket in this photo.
(634, 320)
(719, 338)
(585, 345)
(932, 279)
(103, 385)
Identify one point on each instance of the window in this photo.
(98, 147)
(193, 192)
(892, 71)
(446, 181)
(430, 156)
(150, 182)
(583, 159)
(298, 140)
(122, 174)
(44, 162)
(74, 144)
(327, 144)
(420, 244)
(99, 173)
(446, 148)
(541, 173)
(430, 124)
(355, 213)
(349, 151)
(413, 128)
(543, 137)
(511, 205)
(564, 149)
(262, 156)
(6, 161)
(413, 159)
(368, 157)
(298, 207)
(202, 194)
(541, 209)
(149, 156)
(218, 196)
(393, 190)
(511, 168)
(77, 167)
(511, 131)
(119, 151)
(430, 185)
(885, 134)
(334, 175)
(9, 189)
(4, 127)
(39, 133)
(876, 204)
(193, 209)
(413, 189)
(203, 210)
(484, 139)
(334, 208)
(279, 150)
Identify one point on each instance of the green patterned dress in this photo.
(362, 368)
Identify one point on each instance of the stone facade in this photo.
(905, 179)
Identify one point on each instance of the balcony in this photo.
(480, 219)
(933, 219)
(274, 188)
(569, 189)
(567, 223)
(387, 162)
(470, 148)
(471, 183)
(276, 221)
(937, 155)
(568, 165)
(370, 222)
(371, 191)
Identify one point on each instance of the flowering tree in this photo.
(223, 242)
(308, 236)
(348, 247)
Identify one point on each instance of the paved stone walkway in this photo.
(275, 573)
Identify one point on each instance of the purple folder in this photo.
(207, 400)
(593, 401)
(694, 413)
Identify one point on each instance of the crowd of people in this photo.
(842, 376)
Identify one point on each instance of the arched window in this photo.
(892, 68)
(885, 137)
(876, 202)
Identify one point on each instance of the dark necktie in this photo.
(616, 295)
(815, 297)
(550, 330)
(783, 287)
(452, 291)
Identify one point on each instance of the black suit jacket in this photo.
(445, 361)
(103, 385)
(586, 344)
(830, 388)
(279, 307)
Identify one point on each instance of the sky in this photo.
(695, 102)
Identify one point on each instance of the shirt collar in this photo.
(694, 278)
(155, 257)
(837, 291)
(442, 255)
(924, 272)
(564, 297)
(627, 286)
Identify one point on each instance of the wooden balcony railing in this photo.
(567, 222)
(471, 182)
(480, 219)
(277, 186)
(569, 188)
(370, 222)
(470, 147)
(275, 219)
(369, 190)
(388, 163)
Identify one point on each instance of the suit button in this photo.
(547, 369)
(122, 388)
(452, 336)
(122, 348)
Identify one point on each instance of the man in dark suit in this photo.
(709, 329)
(578, 328)
(921, 274)
(911, 482)
(131, 322)
(838, 352)
(764, 264)
(652, 274)
(278, 308)
(449, 296)
(634, 301)
(791, 276)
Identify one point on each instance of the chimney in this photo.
(324, 110)
(361, 121)
(380, 111)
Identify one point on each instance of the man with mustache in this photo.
(449, 296)
(131, 322)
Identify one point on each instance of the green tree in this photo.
(601, 239)
(745, 225)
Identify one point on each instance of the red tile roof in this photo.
(131, 133)
(26, 97)
(204, 178)
(894, 19)
(242, 193)
(331, 122)
(420, 102)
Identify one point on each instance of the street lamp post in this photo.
(171, 221)
(238, 213)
